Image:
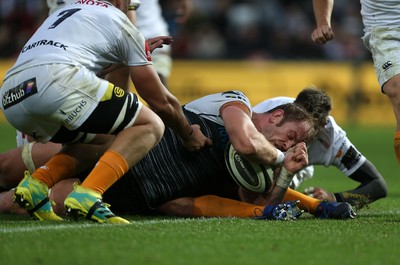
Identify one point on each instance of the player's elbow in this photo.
(246, 149)
(382, 187)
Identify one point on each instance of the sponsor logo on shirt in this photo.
(44, 42)
(119, 92)
(350, 158)
(19, 93)
(71, 116)
(92, 3)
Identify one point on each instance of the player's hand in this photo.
(320, 194)
(296, 158)
(158, 42)
(197, 140)
(322, 34)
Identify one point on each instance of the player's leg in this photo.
(7, 204)
(209, 206)
(392, 89)
(214, 206)
(59, 193)
(321, 209)
(386, 56)
(143, 130)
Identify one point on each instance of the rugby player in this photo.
(54, 93)
(169, 178)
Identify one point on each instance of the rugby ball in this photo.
(248, 175)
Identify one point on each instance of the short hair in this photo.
(296, 113)
(316, 102)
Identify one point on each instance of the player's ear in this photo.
(276, 116)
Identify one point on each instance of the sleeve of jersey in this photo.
(234, 95)
(134, 48)
(348, 159)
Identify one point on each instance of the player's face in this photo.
(283, 136)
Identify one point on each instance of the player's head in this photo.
(316, 102)
(287, 125)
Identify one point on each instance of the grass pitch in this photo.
(372, 238)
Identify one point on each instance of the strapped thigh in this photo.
(116, 111)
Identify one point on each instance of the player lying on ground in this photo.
(169, 172)
(331, 147)
(54, 93)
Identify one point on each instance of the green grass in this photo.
(372, 238)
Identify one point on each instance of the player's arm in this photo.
(244, 136)
(166, 105)
(372, 187)
(322, 12)
(296, 158)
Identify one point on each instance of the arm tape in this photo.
(284, 179)
(279, 158)
(26, 154)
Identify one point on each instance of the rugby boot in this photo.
(32, 195)
(88, 203)
(335, 210)
(282, 212)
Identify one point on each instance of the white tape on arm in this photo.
(279, 158)
(26, 154)
(284, 178)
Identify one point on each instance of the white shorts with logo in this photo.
(384, 45)
(45, 100)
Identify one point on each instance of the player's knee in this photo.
(392, 89)
(156, 128)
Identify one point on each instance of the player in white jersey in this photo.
(331, 147)
(54, 93)
(381, 21)
(148, 18)
(168, 171)
(170, 179)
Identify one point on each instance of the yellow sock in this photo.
(307, 203)
(60, 166)
(214, 206)
(107, 171)
(397, 145)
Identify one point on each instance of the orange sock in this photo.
(60, 166)
(397, 145)
(307, 203)
(214, 206)
(107, 171)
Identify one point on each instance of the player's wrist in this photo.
(188, 135)
(279, 157)
(284, 178)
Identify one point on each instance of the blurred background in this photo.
(262, 47)
(223, 29)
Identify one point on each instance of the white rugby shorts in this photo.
(46, 100)
(384, 45)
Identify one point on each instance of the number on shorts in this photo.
(63, 16)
